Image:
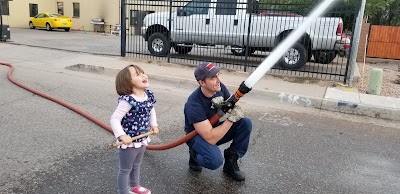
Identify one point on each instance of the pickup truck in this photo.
(226, 22)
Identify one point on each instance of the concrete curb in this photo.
(360, 109)
(361, 104)
(333, 99)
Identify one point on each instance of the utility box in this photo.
(5, 33)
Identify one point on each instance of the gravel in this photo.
(390, 80)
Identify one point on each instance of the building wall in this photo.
(109, 10)
(19, 11)
(89, 9)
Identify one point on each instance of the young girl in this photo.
(134, 115)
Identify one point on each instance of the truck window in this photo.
(226, 7)
(197, 7)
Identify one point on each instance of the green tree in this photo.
(383, 12)
(379, 12)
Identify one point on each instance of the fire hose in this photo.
(244, 87)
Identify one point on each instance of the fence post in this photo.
(1, 20)
(169, 30)
(123, 28)
(356, 42)
(247, 48)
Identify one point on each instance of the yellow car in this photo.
(50, 21)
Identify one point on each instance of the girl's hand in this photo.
(126, 139)
(155, 129)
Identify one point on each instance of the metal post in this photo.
(123, 28)
(1, 20)
(169, 30)
(247, 47)
(356, 42)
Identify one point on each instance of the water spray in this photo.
(261, 70)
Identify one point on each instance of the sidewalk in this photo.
(271, 89)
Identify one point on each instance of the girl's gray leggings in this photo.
(130, 160)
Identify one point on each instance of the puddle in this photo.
(92, 69)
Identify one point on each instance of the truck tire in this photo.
(183, 49)
(295, 57)
(240, 51)
(158, 44)
(324, 57)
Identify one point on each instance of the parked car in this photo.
(50, 21)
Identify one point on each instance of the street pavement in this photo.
(296, 146)
(337, 99)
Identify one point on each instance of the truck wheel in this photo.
(183, 49)
(324, 57)
(240, 51)
(158, 44)
(295, 57)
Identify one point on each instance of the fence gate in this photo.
(237, 34)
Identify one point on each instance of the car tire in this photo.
(67, 29)
(158, 44)
(48, 27)
(240, 51)
(31, 26)
(295, 58)
(324, 57)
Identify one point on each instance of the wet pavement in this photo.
(46, 148)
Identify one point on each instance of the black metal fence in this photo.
(240, 34)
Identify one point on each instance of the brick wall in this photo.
(363, 42)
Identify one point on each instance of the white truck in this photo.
(226, 22)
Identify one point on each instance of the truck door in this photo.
(192, 22)
(227, 22)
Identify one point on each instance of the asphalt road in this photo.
(106, 44)
(46, 148)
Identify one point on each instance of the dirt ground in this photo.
(390, 79)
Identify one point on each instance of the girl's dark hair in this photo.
(123, 81)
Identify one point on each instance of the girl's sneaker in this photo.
(140, 190)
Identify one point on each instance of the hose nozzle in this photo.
(231, 101)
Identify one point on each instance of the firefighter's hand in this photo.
(217, 102)
(236, 114)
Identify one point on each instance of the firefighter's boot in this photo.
(231, 168)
